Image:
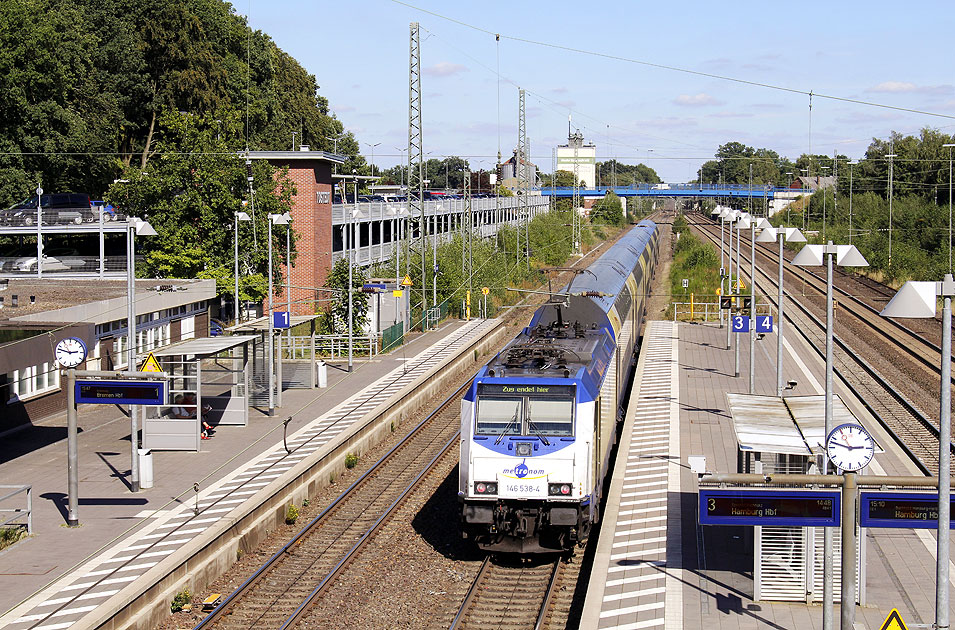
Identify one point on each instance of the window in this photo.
(499, 415)
(32, 381)
(550, 417)
(525, 415)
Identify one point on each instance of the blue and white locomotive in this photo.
(540, 419)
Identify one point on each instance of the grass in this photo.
(699, 264)
(10, 535)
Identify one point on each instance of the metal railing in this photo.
(708, 311)
(328, 346)
(18, 513)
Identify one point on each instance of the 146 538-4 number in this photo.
(522, 488)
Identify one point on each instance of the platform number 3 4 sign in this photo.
(764, 323)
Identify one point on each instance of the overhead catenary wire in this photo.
(671, 68)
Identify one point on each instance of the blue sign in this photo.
(120, 392)
(916, 510)
(799, 508)
(764, 323)
(281, 319)
(740, 323)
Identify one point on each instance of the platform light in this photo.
(918, 299)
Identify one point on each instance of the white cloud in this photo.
(445, 69)
(696, 100)
(903, 87)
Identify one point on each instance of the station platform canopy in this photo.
(204, 346)
(262, 324)
(789, 425)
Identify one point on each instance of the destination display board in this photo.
(121, 392)
(918, 510)
(562, 391)
(799, 508)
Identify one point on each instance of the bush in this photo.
(10, 535)
(351, 460)
(182, 598)
(291, 515)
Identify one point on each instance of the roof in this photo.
(262, 323)
(816, 182)
(288, 156)
(793, 425)
(94, 299)
(204, 346)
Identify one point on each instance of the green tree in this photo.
(608, 210)
(338, 311)
(190, 194)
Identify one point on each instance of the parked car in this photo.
(216, 328)
(55, 208)
(109, 211)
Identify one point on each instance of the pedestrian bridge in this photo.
(711, 191)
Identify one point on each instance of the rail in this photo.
(288, 548)
(17, 512)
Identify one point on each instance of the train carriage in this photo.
(540, 419)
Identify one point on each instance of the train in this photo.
(540, 419)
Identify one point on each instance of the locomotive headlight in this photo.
(523, 449)
(485, 487)
(558, 489)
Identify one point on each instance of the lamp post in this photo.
(805, 210)
(890, 156)
(825, 196)
(372, 156)
(769, 235)
(401, 171)
(949, 147)
(239, 216)
(274, 219)
(846, 255)
(742, 223)
(134, 226)
(918, 299)
(851, 164)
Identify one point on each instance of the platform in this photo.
(655, 566)
(122, 535)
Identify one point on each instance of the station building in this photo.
(36, 313)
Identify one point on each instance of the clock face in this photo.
(850, 447)
(70, 352)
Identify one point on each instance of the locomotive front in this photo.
(527, 445)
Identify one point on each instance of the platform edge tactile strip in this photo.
(36, 613)
(630, 586)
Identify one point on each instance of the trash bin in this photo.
(145, 468)
(322, 374)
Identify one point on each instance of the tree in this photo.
(608, 210)
(337, 313)
(190, 193)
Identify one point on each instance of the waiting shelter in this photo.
(786, 435)
(206, 371)
(295, 355)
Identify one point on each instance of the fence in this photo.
(328, 346)
(392, 337)
(18, 513)
(709, 311)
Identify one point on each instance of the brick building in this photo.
(311, 172)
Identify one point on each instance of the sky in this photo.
(889, 53)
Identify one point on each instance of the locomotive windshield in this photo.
(531, 411)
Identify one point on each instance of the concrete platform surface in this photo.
(122, 534)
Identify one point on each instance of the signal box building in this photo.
(311, 172)
(584, 155)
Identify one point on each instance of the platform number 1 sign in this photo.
(281, 319)
(740, 323)
(764, 323)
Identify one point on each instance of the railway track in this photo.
(520, 594)
(281, 592)
(910, 427)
